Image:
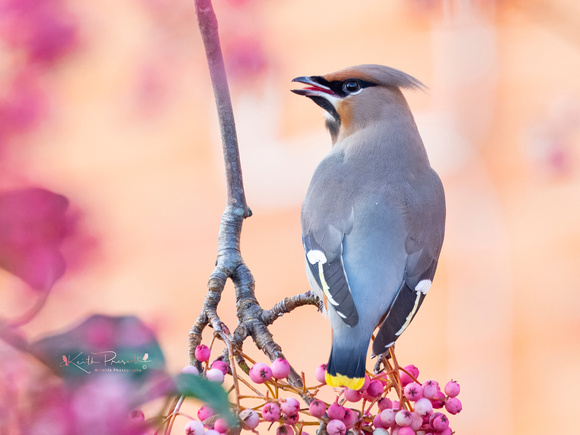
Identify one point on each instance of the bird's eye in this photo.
(351, 86)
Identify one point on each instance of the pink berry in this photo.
(388, 417)
(453, 405)
(335, 411)
(413, 369)
(365, 384)
(405, 378)
(291, 419)
(377, 423)
(446, 431)
(194, 427)
(280, 368)
(336, 427)
(320, 373)
(222, 365)
(290, 406)
(221, 425)
(350, 418)
(317, 408)
(417, 422)
(413, 391)
(430, 388)
(403, 417)
(439, 400)
(423, 407)
(202, 353)
(452, 389)
(396, 405)
(192, 370)
(406, 430)
(260, 373)
(384, 403)
(380, 431)
(434, 416)
(375, 389)
(250, 419)
(204, 413)
(215, 375)
(271, 412)
(439, 422)
(211, 432)
(352, 395)
(136, 415)
(284, 429)
(367, 397)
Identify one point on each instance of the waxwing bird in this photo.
(373, 218)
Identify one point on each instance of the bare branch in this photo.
(228, 257)
(289, 304)
(208, 26)
(253, 321)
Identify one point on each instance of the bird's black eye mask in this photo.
(344, 88)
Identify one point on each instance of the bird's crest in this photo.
(378, 74)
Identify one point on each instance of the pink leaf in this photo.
(33, 224)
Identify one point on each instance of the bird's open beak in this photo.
(315, 89)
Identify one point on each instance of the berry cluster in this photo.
(415, 410)
(413, 413)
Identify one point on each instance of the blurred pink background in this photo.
(128, 132)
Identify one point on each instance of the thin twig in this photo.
(289, 304)
(251, 387)
(174, 413)
(32, 312)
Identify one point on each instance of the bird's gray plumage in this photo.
(373, 217)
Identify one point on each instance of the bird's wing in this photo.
(324, 258)
(326, 219)
(420, 269)
(426, 226)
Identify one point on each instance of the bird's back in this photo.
(380, 198)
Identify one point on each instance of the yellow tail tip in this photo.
(344, 381)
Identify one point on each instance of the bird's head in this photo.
(357, 96)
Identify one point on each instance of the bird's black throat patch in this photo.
(333, 124)
(326, 105)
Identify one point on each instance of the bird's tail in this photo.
(346, 365)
